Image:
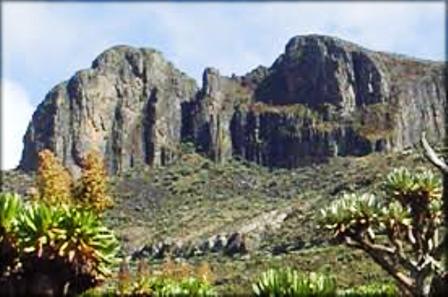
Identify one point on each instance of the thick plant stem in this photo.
(440, 164)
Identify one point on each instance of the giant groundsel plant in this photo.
(399, 229)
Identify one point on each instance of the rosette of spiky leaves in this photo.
(10, 207)
(415, 189)
(395, 219)
(88, 246)
(351, 214)
(420, 192)
(289, 282)
(39, 230)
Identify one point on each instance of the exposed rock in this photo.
(127, 106)
(322, 97)
(242, 241)
(236, 244)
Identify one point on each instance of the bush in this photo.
(187, 287)
(372, 290)
(289, 283)
(173, 279)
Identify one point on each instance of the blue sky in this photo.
(45, 43)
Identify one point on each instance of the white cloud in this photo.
(16, 113)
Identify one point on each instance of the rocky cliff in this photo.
(322, 97)
(127, 106)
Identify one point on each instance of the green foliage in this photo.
(351, 213)
(64, 241)
(184, 288)
(39, 230)
(371, 290)
(10, 207)
(187, 148)
(288, 282)
(408, 187)
(401, 230)
(74, 235)
(87, 244)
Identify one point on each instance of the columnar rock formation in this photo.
(322, 97)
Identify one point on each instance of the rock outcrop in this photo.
(241, 241)
(322, 97)
(127, 106)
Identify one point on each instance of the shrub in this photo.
(187, 287)
(173, 279)
(371, 290)
(288, 282)
(54, 182)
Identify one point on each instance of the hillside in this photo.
(172, 211)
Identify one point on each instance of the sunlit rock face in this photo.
(322, 97)
(127, 106)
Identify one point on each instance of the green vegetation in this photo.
(375, 121)
(172, 279)
(290, 283)
(372, 290)
(400, 232)
(193, 199)
(58, 249)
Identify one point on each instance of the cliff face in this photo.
(322, 97)
(127, 106)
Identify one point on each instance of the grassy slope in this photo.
(195, 198)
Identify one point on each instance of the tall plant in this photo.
(399, 231)
(54, 181)
(92, 187)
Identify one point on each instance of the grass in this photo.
(195, 198)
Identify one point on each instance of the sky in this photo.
(45, 43)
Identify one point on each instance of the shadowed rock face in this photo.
(322, 97)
